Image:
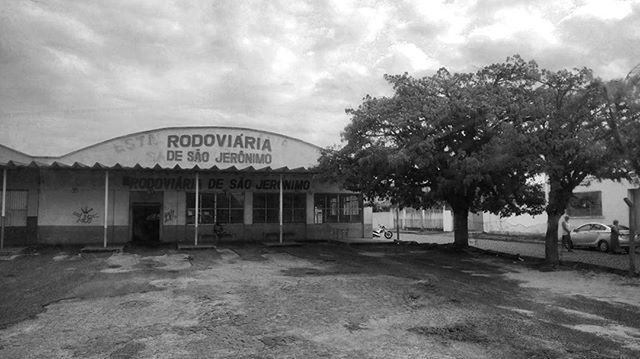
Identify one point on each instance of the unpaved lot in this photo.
(312, 301)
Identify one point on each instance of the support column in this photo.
(4, 200)
(106, 206)
(404, 218)
(398, 223)
(280, 210)
(197, 216)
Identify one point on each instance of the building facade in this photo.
(595, 201)
(173, 185)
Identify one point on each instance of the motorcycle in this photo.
(382, 231)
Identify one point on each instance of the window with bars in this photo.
(266, 208)
(216, 207)
(337, 208)
(585, 204)
(16, 208)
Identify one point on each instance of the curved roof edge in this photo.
(181, 128)
(16, 151)
(137, 166)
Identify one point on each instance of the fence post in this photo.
(632, 234)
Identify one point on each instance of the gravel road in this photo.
(313, 301)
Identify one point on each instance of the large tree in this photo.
(450, 138)
(622, 114)
(568, 135)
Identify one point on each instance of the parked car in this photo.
(598, 235)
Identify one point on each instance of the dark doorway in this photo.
(145, 222)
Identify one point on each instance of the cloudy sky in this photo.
(73, 73)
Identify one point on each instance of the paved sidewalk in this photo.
(528, 248)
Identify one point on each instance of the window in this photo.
(337, 208)
(16, 208)
(266, 208)
(216, 207)
(585, 204)
(584, 228)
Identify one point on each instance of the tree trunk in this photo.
(461, 228)
(559, 197)
(551, 239)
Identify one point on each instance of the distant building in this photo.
(172, 185)
(599, 201)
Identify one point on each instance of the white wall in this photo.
(76, 199)
(447, 221)
(515, 224)
(383, 219)
(159, 147)
(613, 207)
(387, 219)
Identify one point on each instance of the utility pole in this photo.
(398, 224)
(632, 234)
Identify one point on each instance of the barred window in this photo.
(216, 207)
(337, 208)
(16, 208)
(585, 204)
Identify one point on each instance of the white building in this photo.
(599, 201)
(172, 185)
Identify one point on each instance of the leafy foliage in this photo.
(621, 113)
(567, 134)
(451, 138)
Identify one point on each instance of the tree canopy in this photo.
(567, 134)
(451, 138)
(476, 140)
(621, 113)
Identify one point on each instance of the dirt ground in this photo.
(312, 301)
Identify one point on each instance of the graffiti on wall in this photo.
(169, 216)
(85, 215)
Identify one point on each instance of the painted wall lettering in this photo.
(85, 215)
(202, 148)
(180, 183)
(287, 185)
(174, 183)
(131, 143)
(219, 140)
(242, 157)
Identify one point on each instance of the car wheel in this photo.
(603, 246)
(388, 235)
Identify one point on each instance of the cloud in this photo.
(518, 23)
(75, 73)
(602, 10)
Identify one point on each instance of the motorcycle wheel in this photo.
(388, 235)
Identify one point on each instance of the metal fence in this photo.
(410, 218)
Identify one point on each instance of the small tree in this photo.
(445, 138)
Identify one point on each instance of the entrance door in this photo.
(146, 222)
